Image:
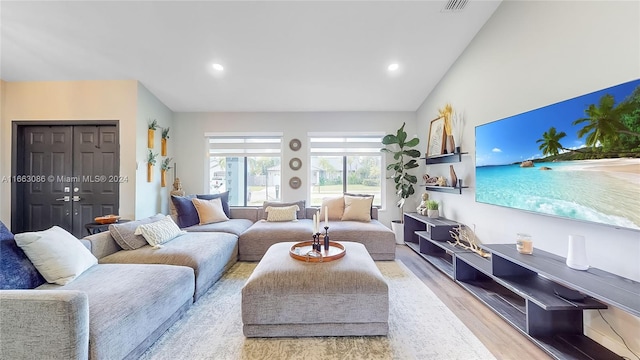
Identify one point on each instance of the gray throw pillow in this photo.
(124, 235)
(300, 214)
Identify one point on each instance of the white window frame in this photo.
(347, 144)
(242, 145)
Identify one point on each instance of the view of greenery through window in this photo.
(249, 167)
(329, 179)
(262, 175)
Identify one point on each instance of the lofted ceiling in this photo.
(277, 55)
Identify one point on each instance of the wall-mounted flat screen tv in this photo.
(578, 159)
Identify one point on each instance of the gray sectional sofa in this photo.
(110, 311)
(118, 308)
(377, 238)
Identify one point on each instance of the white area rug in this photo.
(420, 327)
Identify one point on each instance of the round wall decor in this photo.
(295, 182)
(295, 164)
(295, 144)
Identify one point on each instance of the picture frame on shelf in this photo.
(436, 139)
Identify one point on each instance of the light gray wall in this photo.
(531, 54)
(151, 198)
(192, 158)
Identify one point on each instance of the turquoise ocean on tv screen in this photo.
(567, 191)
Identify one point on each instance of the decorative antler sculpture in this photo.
(466, 239)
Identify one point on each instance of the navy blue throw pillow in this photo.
(187, 214)
(16, 270)
(224, 198)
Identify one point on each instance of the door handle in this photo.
(66, 198)
(76, 198)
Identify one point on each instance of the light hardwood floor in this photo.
(503, 340)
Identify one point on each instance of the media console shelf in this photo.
(522, 288)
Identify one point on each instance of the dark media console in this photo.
(537, 294)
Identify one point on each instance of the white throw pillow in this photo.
(282, 213)
(58, 255)
(159, 232)
(210, 211)
(357, 208)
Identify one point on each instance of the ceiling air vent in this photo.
(455, 5)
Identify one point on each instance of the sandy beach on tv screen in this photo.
(621, 165)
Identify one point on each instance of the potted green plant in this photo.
(153, 125)
(151, 160)
(164, 167)
(432, 209)
(405, 159)
(163, 141)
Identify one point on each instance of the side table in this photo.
(94, 227)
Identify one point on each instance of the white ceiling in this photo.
(278, 56)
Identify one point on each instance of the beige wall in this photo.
(531, 54)
(72, 100)
(192, 157)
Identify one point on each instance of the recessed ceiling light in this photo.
(393, 67)
(218, 67)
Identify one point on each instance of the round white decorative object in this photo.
(577, 254)
(295, 144)
(295, 182)
(295, 164)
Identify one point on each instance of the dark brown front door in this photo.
(65, 175)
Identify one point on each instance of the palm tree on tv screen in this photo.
(604, 122)
(610, 130)
(551, 142)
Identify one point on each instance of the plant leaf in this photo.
(402, 136)
(413, 142)
(389, 139)
(412, 153)
(411, 178)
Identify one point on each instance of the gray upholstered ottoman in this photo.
(288, 297)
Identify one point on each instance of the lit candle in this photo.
(326, 216)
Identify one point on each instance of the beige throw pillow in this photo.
(159, 232)
(357, 208)
(282, 213)
(210, 211)
(334, 205)
(262, 213)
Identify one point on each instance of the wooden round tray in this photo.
(300, 250)
(107, 219)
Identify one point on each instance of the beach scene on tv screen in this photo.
(578, 159)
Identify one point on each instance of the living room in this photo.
(526, 56)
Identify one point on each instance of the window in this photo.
(248, 166)
(345, 163)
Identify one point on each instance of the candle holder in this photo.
(316, 242)
(326, 238)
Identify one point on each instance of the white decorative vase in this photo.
(577, 254)
(433, 213)
(398, 230)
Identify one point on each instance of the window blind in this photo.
(240, 145)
